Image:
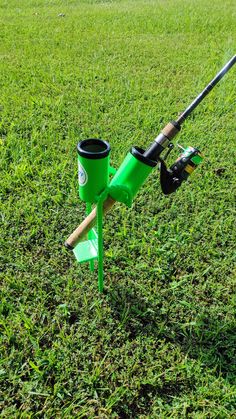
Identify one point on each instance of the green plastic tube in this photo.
(131, 175)
(93, 168)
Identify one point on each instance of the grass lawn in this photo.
(161, 341)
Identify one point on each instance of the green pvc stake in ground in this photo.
(100, 244)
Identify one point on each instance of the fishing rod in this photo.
(139, 163)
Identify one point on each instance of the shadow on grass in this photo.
(208, 339)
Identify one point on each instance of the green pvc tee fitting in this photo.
(131, 175)
(93, 168)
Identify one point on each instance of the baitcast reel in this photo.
(183, 167)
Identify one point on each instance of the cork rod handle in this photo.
(87, 224)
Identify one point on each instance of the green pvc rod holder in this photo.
(93, 175)
(94, 170)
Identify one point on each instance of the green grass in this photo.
(161, 341)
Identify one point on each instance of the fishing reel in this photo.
(172, 178)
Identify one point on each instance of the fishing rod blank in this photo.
(172, 129)
(207, 90)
